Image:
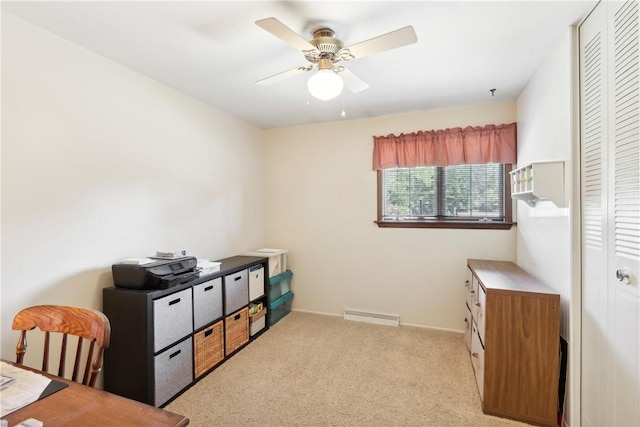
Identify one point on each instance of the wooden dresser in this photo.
(513, 336)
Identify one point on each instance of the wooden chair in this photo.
(85, 323)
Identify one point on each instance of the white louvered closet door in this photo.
(593, 77)
(610, 151)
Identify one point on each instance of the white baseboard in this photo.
(316, 312)
(436, 328)
(413, 325)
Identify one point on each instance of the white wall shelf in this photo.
(539, 181)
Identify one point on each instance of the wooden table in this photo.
(79, 405)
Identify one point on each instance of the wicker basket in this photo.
(236, 329)
(209, 348)
(258, 315)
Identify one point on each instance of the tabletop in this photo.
(79, 405)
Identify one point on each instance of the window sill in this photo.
(483, 225)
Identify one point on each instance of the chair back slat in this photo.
(85, 323)
(45, 356)
(88, 368)
(63, 356)
(76, 362)
(21, 347)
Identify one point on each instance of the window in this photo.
(462, 196)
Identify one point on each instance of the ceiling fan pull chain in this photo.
(344, 113)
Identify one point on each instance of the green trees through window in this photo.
(409, 193)
(463, 192)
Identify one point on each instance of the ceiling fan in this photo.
(324, 51)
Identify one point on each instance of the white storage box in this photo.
(256, 282)
(277, 259)
(257, 325)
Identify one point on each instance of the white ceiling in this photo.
(213, 50)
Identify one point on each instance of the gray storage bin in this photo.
(207, 302)
(173, 371)
(236, 290)
(172, 319)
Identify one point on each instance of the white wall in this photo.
(545, 240)
(322, 204)
(101, 163)
(545, 132)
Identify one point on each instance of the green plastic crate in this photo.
(280, 307)
(279, 285)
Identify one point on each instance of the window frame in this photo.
(451, 223)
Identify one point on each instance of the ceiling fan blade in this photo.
(353, 82)
(388, 41)
(284, 33)
(283, 75)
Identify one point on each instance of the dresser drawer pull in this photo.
(208, 288)
(209, 332)
(175, 301)
(237, 316)
(237, 278)
(171, 356)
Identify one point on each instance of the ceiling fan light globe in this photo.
(325, 85)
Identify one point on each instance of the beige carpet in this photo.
(314, 370)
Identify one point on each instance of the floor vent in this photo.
(377, 318)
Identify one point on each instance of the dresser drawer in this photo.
(468, 321)
(236, 291)
(475, 286)
(472, 286)
(477, 359)
(481, 311)
(207, 302)
(172, 319)
(173, 371)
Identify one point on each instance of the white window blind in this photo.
(463, 192)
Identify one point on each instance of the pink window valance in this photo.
(448, 147)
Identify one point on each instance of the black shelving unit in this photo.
(151, 355)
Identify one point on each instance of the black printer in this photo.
(160, 274)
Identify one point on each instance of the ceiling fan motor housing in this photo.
(328, 47)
